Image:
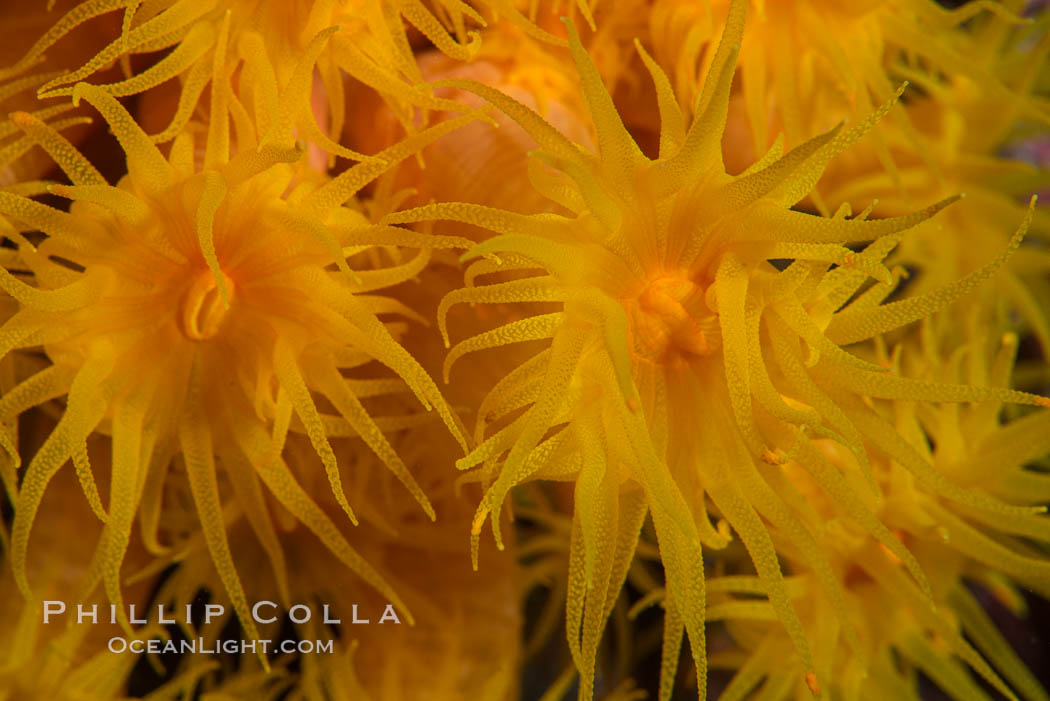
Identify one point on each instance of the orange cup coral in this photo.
(743, 367)
(684, 367)
(190, 311)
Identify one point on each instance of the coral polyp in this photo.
(730, 294)
(968, 555)
(367, 40)
(194, 311)
(684, 367)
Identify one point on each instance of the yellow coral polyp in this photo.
(710, 381)
(366, 39)
(953, 543)
(669, 258)
(192, 313)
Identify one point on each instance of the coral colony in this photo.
(488, 350)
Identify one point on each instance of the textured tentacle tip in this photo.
(774, 457)
(497, 531)
(78, 93)
(22, 119)
(811, 682)
(1010, 599)
(475, 545)
(444, 339)
(474, 255)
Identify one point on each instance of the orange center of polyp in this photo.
(667, 319)
(203, 311)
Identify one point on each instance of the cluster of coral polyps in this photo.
(507, 349)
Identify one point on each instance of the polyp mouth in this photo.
(670, 319)
(203, 309)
